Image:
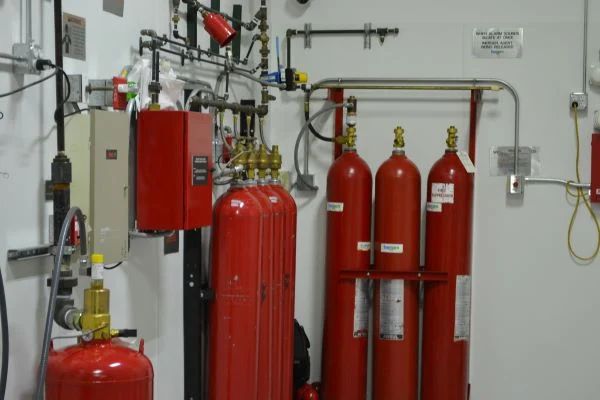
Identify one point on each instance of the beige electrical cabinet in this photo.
(98, 146)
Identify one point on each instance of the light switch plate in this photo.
(76, 83)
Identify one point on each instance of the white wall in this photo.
(147, 290)
(533, 326)
(534, 331)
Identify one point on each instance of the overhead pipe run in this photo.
(434, 84)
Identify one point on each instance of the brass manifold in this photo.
(250, 159)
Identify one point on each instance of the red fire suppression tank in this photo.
(349, 190)
(447, 309)
(266, 350)
(237, 281)
(396, 302)
(276, 287)
(289, 275)
(99, 370)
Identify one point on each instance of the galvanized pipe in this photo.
(11, 57)
(563, 182)
(343, 83)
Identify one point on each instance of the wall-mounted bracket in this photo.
(367, 32)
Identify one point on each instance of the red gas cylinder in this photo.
(266, 318)
(289, 286)
(99, 370)
(349, 190)
(396, 302)
(276, 287)
(447, 309)
(237, 269)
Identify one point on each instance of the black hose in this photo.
(5, 344)
(313, 130)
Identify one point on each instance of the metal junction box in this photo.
(98, 146)
(595, 188)
(174, 161)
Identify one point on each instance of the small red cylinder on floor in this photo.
(99, 370)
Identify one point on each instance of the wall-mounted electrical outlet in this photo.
(578, 100)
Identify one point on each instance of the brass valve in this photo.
(263, 161)
(399, 138)
(275, 161)
(349, 139)
(452, 138)
(252, 161)
(96, 303)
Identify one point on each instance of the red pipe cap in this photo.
(219, 29)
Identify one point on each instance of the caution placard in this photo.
(74, 36)
(498, 42)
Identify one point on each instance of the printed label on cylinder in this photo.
(442, 193)
(391, 310)
(363, 246)
(237, 203)
(393, 248)
(434, 207)
(465, 159)
(361, 308)
(274, 199)
(335, 207)
(462, 309)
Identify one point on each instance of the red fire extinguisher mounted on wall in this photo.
(349, 189)
(447, 308)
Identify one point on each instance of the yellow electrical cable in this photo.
(579, 196)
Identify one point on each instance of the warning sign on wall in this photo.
(497, 43)
(74, 36)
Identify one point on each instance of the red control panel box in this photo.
(595, 189)
(174, 179)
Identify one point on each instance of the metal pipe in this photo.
(235, 107)
(495, 88)
(342, 83)
(11, 57)
(563, 182)
(258, 80)
(585, 44)
(58, 61)
(62, 239)
(29, 24)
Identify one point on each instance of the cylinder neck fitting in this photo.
(399, 138)
(263, 161)
(275, 162)
(95, 318)
(252, 162)
(349, 140)
(452, 138)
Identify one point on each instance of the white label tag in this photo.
(335, 207)
(442, 193)
(598, 192)
(361, 308)
(462, 309)
(434, 207)
(97, 271)
(391, 310)
(363, 246)
(394, 248)
(274, 199)
(466, 162)
(237, 203)
(497, 43)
